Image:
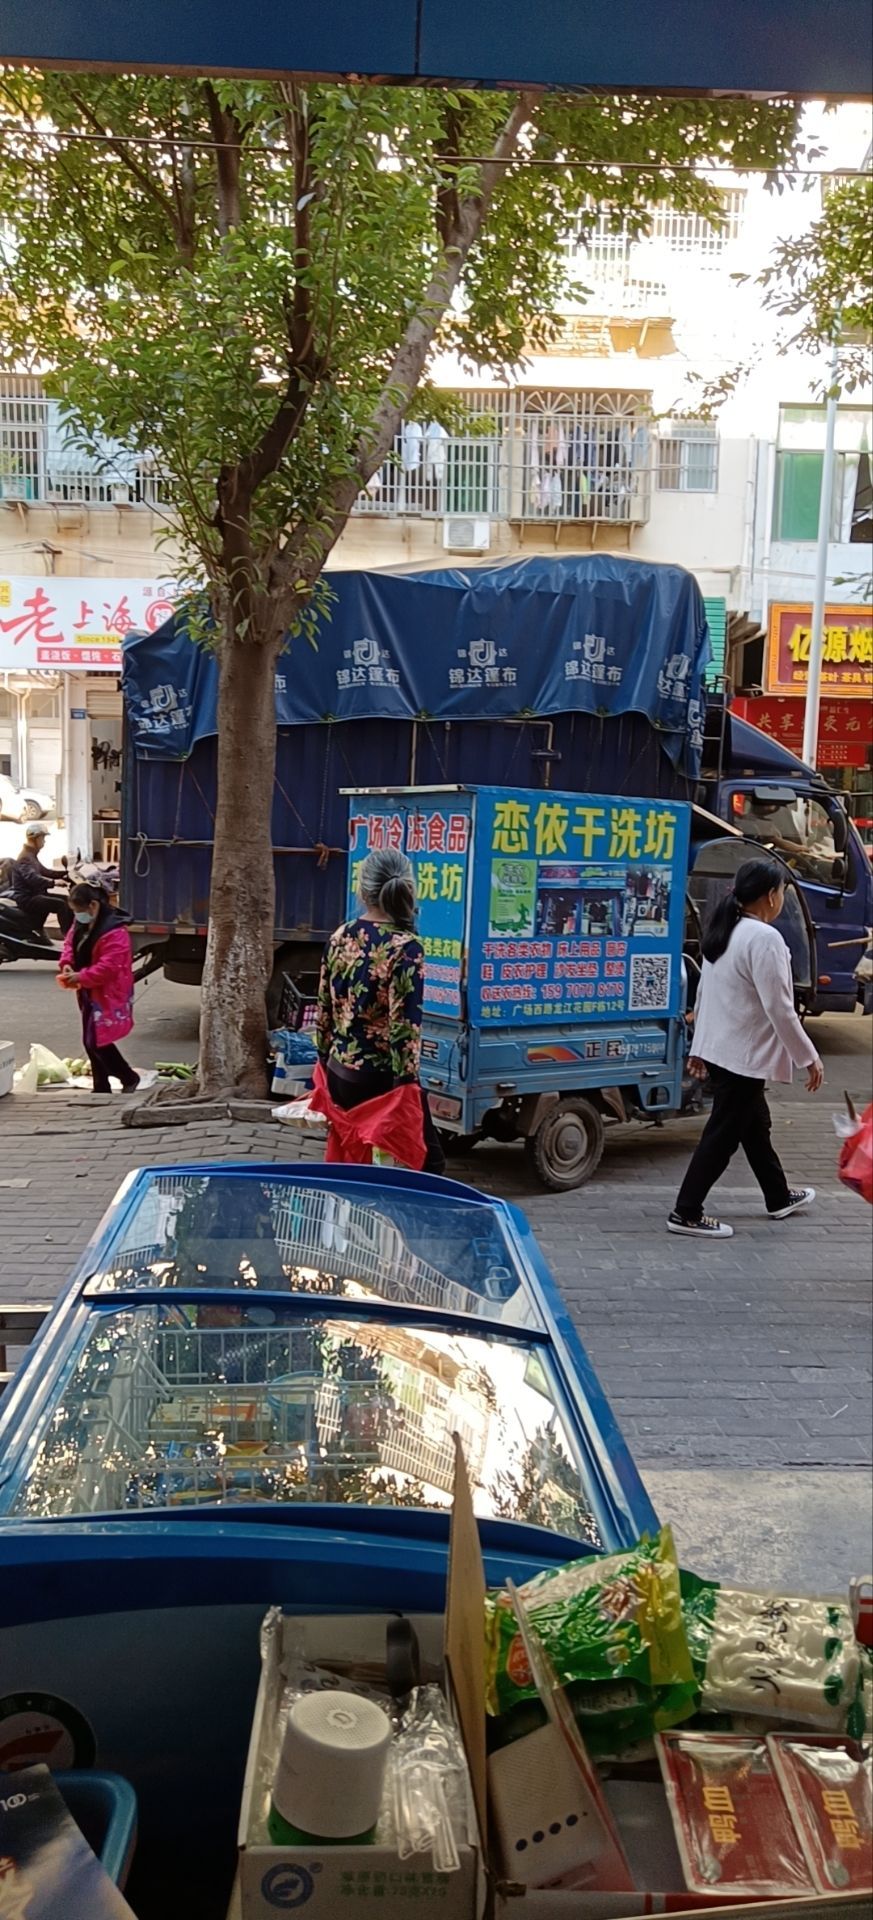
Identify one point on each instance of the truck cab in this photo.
(770, 795)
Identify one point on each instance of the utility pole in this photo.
(809, 750)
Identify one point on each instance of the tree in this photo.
(822, 282)
(248, 282)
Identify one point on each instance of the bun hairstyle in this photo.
(387, 883)
(754, 879)
(83, 894)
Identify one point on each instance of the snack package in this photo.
(733, 1828)
(827, 1783)
(613, 1631)
(778, 1656)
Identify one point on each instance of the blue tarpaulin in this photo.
(582, 634)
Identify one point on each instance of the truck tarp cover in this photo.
(585, 634)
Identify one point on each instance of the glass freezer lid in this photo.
(245, 1231)
(171, 1406)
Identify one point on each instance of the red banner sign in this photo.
(847, 665)
(845, 733)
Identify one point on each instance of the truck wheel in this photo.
(567, 1146)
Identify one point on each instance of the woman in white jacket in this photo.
(746, 1032)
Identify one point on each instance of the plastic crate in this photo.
(103, 1806)
(7, 1066)
(296, 1006)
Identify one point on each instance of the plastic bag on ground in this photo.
(50, 1070)
(26, 1080)
(298, 1113)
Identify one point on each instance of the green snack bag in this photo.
(604, 1621)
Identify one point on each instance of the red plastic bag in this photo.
(856, 1158)
(392, 1121)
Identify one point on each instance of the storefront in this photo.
(845, 735)
(60, 699)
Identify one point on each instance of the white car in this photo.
(22, 803)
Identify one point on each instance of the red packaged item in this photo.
(856, 1158)
(732, 1824)
(828, 1785)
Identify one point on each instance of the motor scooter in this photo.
(19, 940)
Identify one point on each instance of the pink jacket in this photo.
(108, 982)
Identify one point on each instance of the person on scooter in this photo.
(32, 883)
(97, 964)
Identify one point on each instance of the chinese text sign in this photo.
(847, 662)
(75, 624)
(436, 836)
(578, 908)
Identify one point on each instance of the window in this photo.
(799, 470)
(800, 829)
(688, 457)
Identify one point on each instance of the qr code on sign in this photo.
(649, 983)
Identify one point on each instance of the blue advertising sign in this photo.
(436, 834)
(578, 908)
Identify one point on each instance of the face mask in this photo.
(84, 919)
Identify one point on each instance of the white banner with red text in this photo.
(76, 626)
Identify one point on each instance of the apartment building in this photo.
(598, 444)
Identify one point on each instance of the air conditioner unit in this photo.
(464, 534)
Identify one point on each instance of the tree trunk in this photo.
(239, 948)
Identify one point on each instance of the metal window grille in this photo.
(40, 462)
(688, 232)
(581, 457)
(23, 411)
(431, 473)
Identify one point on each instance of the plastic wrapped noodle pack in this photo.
(783, 1657)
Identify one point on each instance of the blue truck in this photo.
(583, 673)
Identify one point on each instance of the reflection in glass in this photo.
(178, 1406)
(239, 1231)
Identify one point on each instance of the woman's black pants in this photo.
(740, 1117)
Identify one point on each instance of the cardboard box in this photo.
(329, 1881)
(326, 1883)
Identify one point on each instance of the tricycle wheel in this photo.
(567, 1145)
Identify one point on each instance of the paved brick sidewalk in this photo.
(749, 1353)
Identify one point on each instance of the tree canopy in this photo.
(249, 282)
(821, 283)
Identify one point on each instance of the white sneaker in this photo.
(798, 1198)
(704, 1229)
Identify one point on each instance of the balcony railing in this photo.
(41, 465)
(529, 455)
(554, 456)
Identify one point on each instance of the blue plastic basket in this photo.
(103, 1806)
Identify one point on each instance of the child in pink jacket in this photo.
(97, 963)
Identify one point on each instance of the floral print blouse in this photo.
(369, 999)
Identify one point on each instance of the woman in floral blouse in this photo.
(368, 1029)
